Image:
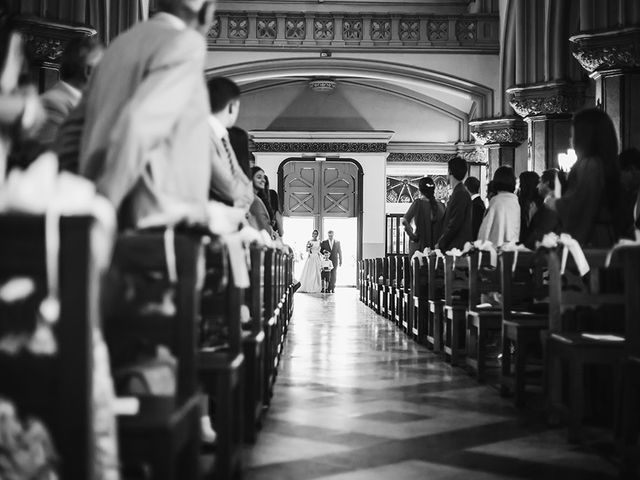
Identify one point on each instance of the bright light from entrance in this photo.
(297, 232)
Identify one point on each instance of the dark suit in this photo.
(456, 229)
(335, 255)
(477, 214)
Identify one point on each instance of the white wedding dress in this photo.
(310, 281)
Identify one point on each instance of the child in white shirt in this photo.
(326, 266)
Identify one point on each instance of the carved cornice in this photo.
(613, 49)
(45, 40)
(422, 157)
(320, 147)
(499, 131)
(551, 98)
(354, 31)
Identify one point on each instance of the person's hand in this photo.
(33, 114)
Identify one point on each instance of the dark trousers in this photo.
(332, 281)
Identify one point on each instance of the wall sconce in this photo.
(567, 160)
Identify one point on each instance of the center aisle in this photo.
(357, 400)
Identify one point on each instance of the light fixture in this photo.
(322, 84)
(567, 160)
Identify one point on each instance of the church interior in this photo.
(319, 239)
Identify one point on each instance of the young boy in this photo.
(326, 266)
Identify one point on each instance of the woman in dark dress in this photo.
(588, 208)
(423, 220)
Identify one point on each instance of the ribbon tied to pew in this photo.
(42, 190)
(622, 243)
(486, 246)
(455, 253)
(515, 248)
(569, 246)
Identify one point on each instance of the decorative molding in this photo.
(352, 29)
(323, 28)
(422, 157)
(394, 31)
(45, 40)
(319, 147)
(214, 31)
(499, 131)
(322, 84)
(547, 98)
(612, 49)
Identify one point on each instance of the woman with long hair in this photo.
(529, 200)
(261, 219)
(501, 223)
(588, 209)
(423, 221)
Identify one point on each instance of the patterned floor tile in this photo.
(356, 399)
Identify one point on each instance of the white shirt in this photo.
(219, 130)
(175, 22)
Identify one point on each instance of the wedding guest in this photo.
(478, 206)
(545, 220)
(456, 230)
(145, 139)
(79, 59)
(423, 221)
(229, 184)
(529, 200)
(629, 192)
(501, 223)
(588, 208)
(326, 265)
(258, 209)
(240, 142)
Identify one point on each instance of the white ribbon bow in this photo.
(513, 247)
(486, 246)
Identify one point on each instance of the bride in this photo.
(310, 281)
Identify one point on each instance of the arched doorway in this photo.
(323, 194)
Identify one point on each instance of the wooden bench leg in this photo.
(520, 372)
(576, 399)
(505, 368)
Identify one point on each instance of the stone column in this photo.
(500, 137)
(547, 108)
(613, 60)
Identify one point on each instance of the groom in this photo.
(335, 255)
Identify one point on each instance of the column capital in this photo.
(508, 131)
(549, 98)
(606, 50)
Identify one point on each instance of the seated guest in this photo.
(423, 221)
(272, 202)
(240, 143)
(260, 218)
(145, 140)
(545, 220)
(477, 212)
(456, 229)
(229, 184)
(629, 192)
(589, 207)
(501, 224)
(78, 60)
(529, 200)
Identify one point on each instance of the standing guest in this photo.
(278, 223)
(529, 200)
(491, 191)
(629, 192)
(545, 220)
(426, 213)
(229, 184)
(588, 208)
(335, 255)
(456, 230)
(240, 142)
(145, 140)
(79, 59)
(478, 206)
(501, 224)
(259, 211)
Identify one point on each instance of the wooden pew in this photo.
(628, 423)
(405, 296)
(221, 370)
(420, 302)
(253, 347)
(566, 341)
(392, 283)
(56, 390)
(523, 319)
(165, 433)
(270, 325)
(481, 322)
(382, 267)
(456, 290)
(435, 296)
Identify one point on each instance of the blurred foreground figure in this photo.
(145, 139)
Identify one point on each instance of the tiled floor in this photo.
(356, 400)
